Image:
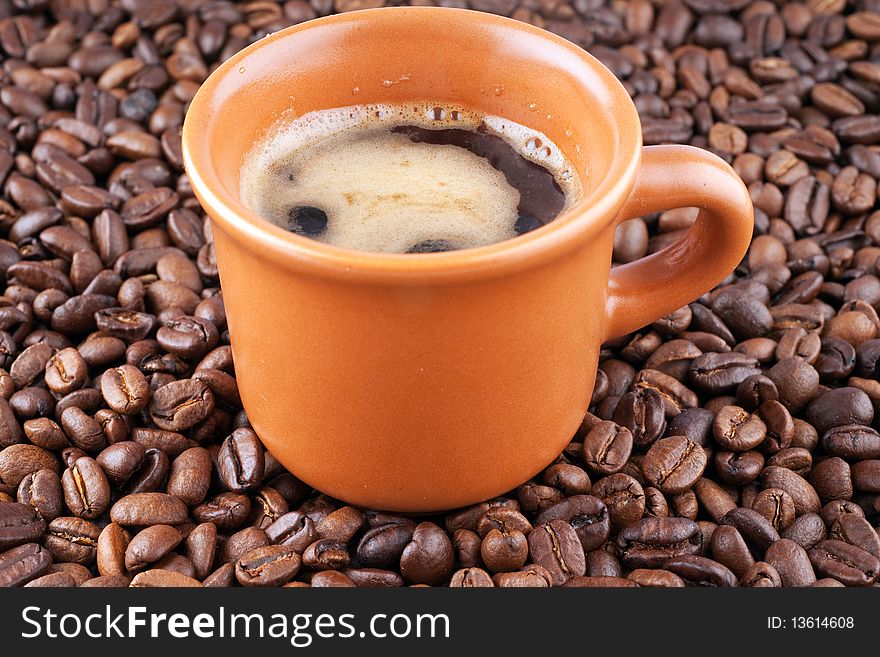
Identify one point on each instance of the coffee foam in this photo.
(383, 192)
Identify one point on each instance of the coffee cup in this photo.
(423, 382)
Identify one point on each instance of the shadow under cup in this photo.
(427, 382)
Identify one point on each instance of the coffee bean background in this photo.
(733, 442)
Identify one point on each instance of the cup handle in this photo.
(672, 177)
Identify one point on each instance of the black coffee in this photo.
(404, 179)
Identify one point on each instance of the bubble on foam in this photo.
(384, 192)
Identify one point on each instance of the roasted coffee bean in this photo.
(331, 578)
(587, 515)
(623, 496)
(738, 468)
(713, 498)
(77, 315)
(674, 464)
(532, 576)
(797, 382)
(23, 564)
(729, 548)
(832, 511)
(839, 407)
(507, 519)
(169, 442)
(190, 476)
(675, 395)
(149, 546)
(227, 511)
(341, 525)
(201, 545)
(88, 400)
(72, 539)
(746, 316)
(163, 579)
(694, 424)
(112, 545)
(852, 441)
(866, 476)
(568, 478)
(755, 528)
(602, 563)
(776, 506)
(642, 413)
(241, 462)
(714, 373)
(44, 433)
(181, 404)
(556, 547)
(86, 489)
(125, 389)
(326, 554)
(19, 524)
(108, 581)
(504, 551)
(42, 491)
(649, 542)
(755, 390)
(18, 461)
(656, 578)
(736, 430)
(607, 447)
(124, 323)
(700, 571)
(832, 479)
(856, 531)
(241, 542)
(84, 431)
(428, 558)
(761, 575)
(121, 460)
(806, 530)
(846, 563)
(143, 509)
(780, 426)
(471, 578)
(53, 580)
(66, 371)
(467, 548)
(655, 503)
(801, 492)
(188, 337)
(600, 582)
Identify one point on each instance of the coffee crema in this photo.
(407, 178)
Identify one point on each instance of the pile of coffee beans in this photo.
(730, 443)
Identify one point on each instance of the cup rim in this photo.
(564, 233)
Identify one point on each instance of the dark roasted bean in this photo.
(23, 564)
(556, 547)
(72, 539)
(19, 524)
(241, 462)
(846, 563)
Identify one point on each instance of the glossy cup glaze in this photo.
(425, 382)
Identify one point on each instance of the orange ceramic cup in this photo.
(418, 383)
